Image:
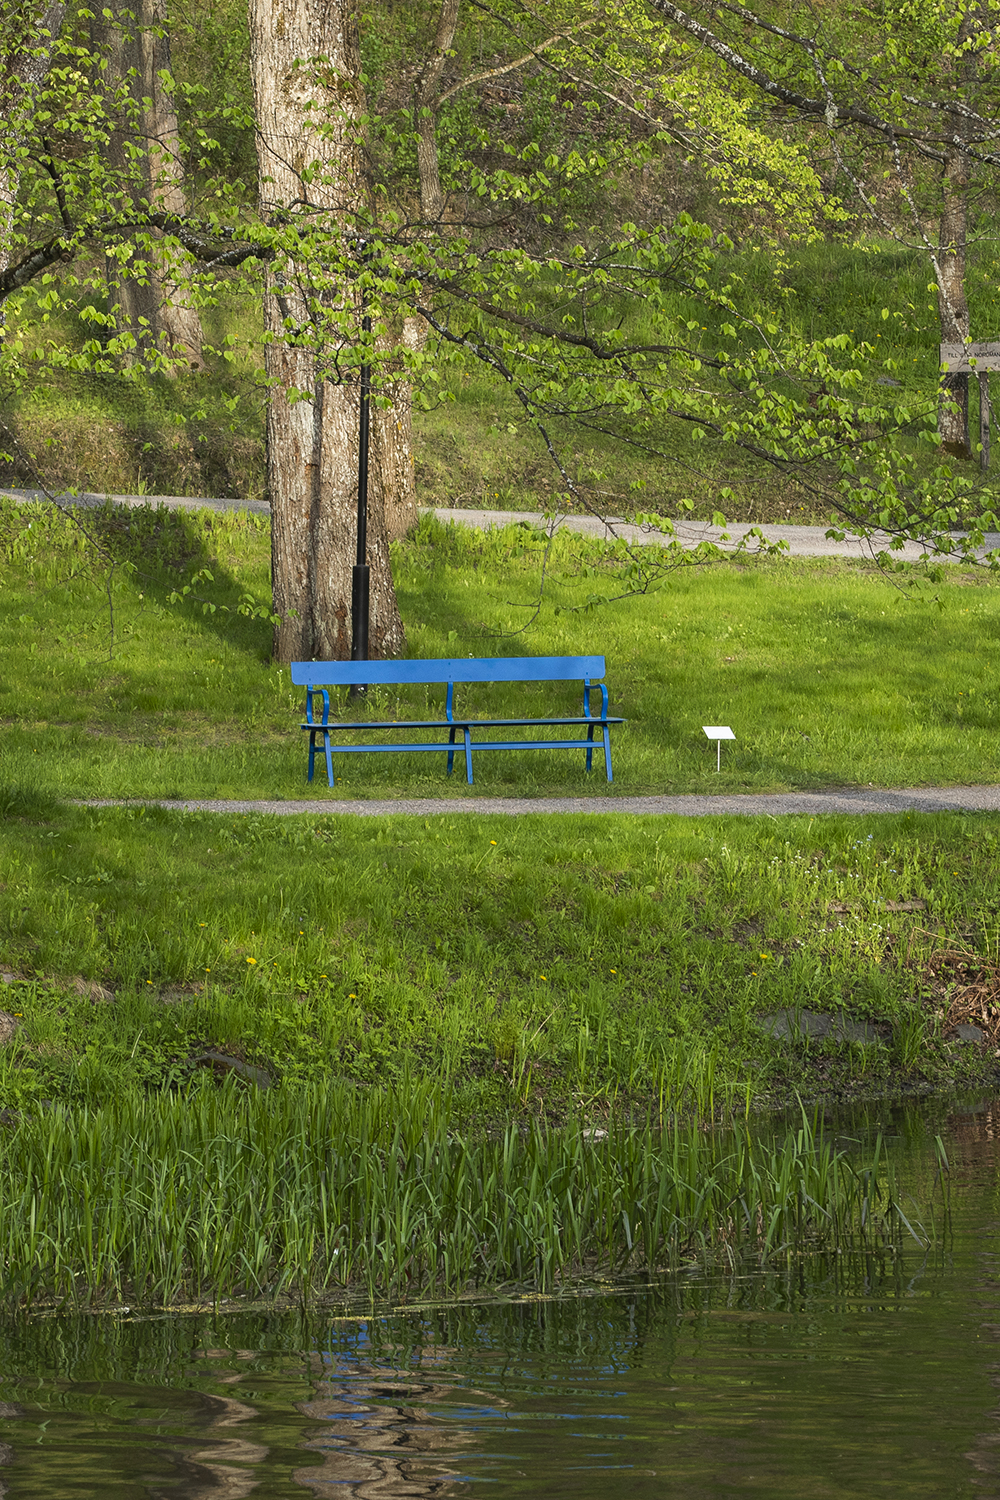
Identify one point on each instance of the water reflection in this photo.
(222, 1466)
(381, 1435)
(858, 1376)
(10, 1411)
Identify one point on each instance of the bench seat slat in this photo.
(335, 727)
(363, 749)
(476, 745)
(535, 745)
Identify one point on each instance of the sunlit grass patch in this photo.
(549, 962)
(115, 686)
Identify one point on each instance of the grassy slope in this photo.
(203, 435)
(590, 957)
(828, 675)
(560, 963)
(659, 941)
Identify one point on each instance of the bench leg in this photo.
(468, 755)
(451, 750)
(590, 744)
(607, 751)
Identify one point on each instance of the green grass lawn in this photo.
(559, 961)
(828, 675)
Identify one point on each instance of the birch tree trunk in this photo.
(26, 37)
(953, 306)
(306, 75)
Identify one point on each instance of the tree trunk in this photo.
(181, 323)
(25, 46)
(132, 298)
(427, 103)
(308, 152)
(953, 308)
(148, 292)
(392, 446)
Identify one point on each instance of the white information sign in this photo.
(718, 732)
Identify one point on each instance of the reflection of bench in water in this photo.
(380, 1438)
(369, 1431)
(226, 1467)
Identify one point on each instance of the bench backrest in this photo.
(316, 674)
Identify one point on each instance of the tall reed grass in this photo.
(343, 1192)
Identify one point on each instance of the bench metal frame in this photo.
(317, 677)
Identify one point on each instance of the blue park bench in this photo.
(318, 676)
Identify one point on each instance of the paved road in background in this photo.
(801, 541)
(765, 804)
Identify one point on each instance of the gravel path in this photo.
(764, 804)
(801, 541)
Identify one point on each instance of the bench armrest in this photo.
(586, 699)
(309, 707)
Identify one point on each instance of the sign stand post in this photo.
(718, 733)
(978, 360)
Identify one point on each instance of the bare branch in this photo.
(531, 56)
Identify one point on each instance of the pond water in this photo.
(829, 1378)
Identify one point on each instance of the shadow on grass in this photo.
(18, 800)
(172, 559)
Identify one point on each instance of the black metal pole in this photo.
(360, 576)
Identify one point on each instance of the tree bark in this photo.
(427, 103)
(306, 75)
(148, 293)
(953, 306)
(392, 444)
(26, 36)
(132, 297)
(180, 321)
